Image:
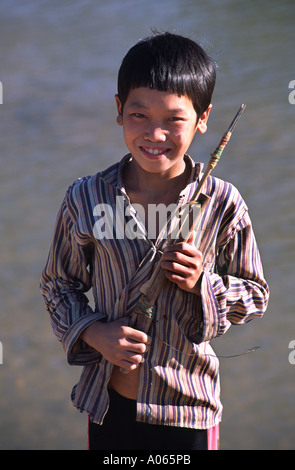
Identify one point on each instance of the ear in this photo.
(119, 109)
(202, 123)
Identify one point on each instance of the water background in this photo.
(58, 67)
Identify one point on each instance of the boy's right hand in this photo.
(117, 342)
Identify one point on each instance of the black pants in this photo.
(120, 431)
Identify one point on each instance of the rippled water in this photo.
(58, 65)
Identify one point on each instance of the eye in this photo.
(176, 119)
(138, 115)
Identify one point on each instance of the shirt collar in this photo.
(195, 174)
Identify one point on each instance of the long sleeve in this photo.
(236, 292)
(180, 375)
(64, 281)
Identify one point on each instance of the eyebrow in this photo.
(139, 104)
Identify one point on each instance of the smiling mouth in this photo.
(155, 151)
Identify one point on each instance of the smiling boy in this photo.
(169, 397)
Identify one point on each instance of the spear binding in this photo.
(142, 315)
(215, 157)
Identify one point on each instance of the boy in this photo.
(158, 390)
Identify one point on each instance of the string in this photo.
(213, 355)
(235, 355)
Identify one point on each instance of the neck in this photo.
(157, 187)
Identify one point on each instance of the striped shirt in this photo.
(179, 381)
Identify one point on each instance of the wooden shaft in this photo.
(153, 286)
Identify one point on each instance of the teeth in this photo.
(153, 151)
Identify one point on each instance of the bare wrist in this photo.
(91, 334)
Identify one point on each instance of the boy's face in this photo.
(159, 127)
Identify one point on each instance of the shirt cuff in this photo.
(77, 351)
(213, 298)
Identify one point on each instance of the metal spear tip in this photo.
(236, 118)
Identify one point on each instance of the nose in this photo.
(155, 132)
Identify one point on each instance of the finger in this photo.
(126, 367)
(191, 239)
(183, 281)
(175, 261)
(133, 358)
(181, 247)
(138, 348)
(126, 344)
(137, 336)
(126, 357)
(130, 361)
(178, 272)
(129, 332)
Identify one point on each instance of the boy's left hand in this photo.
(182, 264)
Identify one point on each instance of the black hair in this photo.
(169, 62)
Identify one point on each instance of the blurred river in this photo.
(58, 68)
